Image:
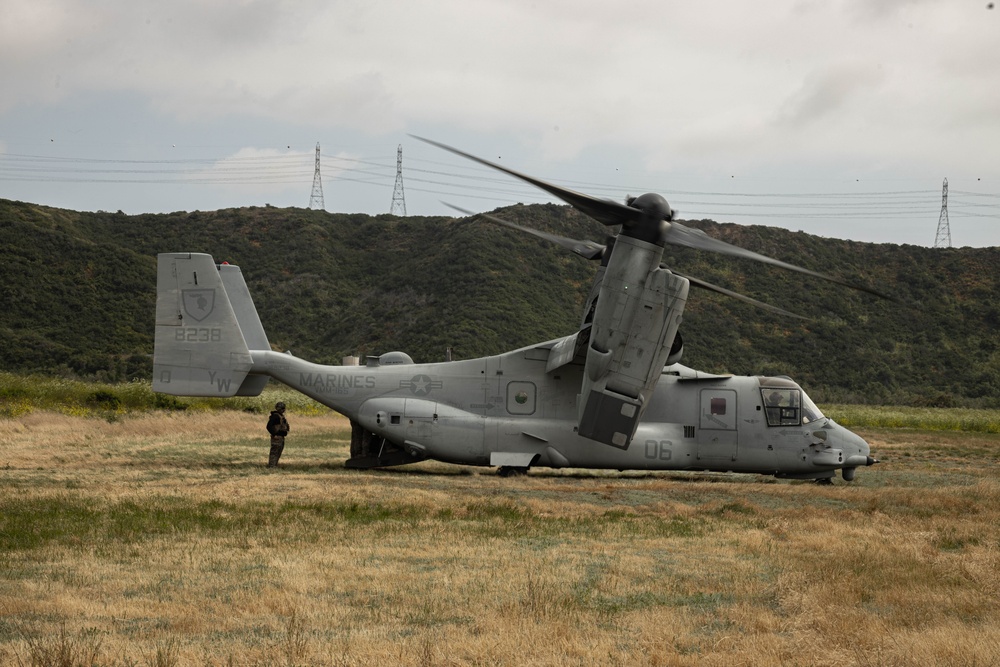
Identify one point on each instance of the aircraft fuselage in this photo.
(507, 410)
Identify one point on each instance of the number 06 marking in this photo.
(660, 450)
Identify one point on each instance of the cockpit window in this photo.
(788, 407)
(781, 406)
(810, 412)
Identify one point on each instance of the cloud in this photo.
(673, 85)
(863, 10)
(828, 92)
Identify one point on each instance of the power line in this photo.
(476, 184)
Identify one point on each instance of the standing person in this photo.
(277, 426)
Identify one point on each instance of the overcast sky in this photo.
(839, 117)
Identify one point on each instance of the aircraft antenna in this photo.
(398, 198)
(943, 238)
(316, 198)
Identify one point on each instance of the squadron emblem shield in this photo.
(198, 303)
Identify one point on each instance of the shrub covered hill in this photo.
(79, 293)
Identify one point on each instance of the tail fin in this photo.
(243, 308)
(249, 322)
(199, 347)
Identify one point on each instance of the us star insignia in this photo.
(420, 385)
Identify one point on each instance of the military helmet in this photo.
(279, 406)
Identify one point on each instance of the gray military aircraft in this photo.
(610, 395)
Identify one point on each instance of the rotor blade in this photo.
(696, 282)
(583, 248)
(592, 250)
(678, 234)
(605, 211)
(611, 213)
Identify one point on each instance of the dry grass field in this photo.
(162, 540)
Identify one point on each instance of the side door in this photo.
(717, 434)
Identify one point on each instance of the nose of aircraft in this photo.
(856, 451)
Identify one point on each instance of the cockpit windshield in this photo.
(784, 406)
(810, 411)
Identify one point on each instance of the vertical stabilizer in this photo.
(243, 308)
(199, 348)
(249, 321)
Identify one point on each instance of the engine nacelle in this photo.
(633, 336)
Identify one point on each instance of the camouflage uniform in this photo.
(277, 426)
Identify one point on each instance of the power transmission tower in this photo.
(943, 238)
(316, 198)
(398, 199)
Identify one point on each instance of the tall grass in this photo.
(928, 419)
(22, 394)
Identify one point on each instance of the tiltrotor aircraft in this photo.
(610, 395)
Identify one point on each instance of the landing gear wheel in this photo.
(512, 471)
(825, 481)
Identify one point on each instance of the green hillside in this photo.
(79, 290)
